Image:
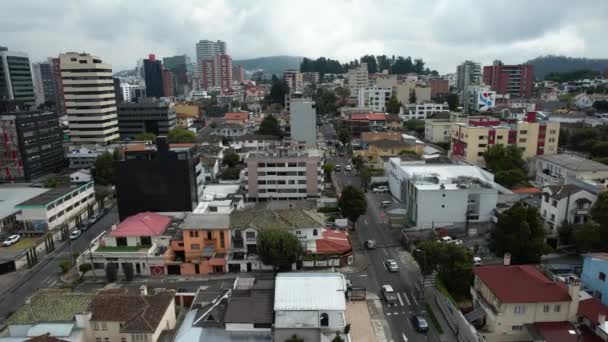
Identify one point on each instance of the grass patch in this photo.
(22, 244)
(433, 318)
(108, 249)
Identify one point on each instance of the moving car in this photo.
(348, 168)
(337, 168)
(420, 323)
(477, 261)
(380, 189)
(11, 240)
(388, 294)
(370, 244)
(391, 265)
(75, 234)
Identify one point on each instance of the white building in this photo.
(565, 203)
(443, 195)
(12, 195)
(555, 169)
(56, 207)
(374, 98)
(420, 111)
(303, 121)
(81, 176)
(437, 131)
(129, 91)
(451, 79)
(357, 78)
(84, 157)
(309, 305)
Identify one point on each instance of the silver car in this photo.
(391, 265)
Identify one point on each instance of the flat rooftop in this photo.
(574, 162)
(10, 196)
(51, 195)
(445, 176)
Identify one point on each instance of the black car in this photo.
(420, 323)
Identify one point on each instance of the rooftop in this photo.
(236, 116)
(333, 242)
(11, 195)
(247, 306)
(391, 143)
(217, 191)
(52, 195)
(51, 305)
(310, 291)
(206, 221)
(446, 176)
(142, 224)
(275, 219)
(559, 192)
(521, 284)
(573, 162)
(368, 116)
(591, 309)
(560, 332)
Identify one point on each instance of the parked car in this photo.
(341, 153)
(11, 240)
(337, 168)
(420, 323)
(477, 261)
(380, 189)
(386, 203)
(370, 244)
(388, 294)
(75, 234)
(391, 265)
(348, 168)
(83, 226)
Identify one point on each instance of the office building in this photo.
(178, 65)
(516, 80)
(158, 178)
(283, 173)
(118, 91)
(450, 196)
(58, 84)
(557, 169)
(168, 83)
(374, 98)
(31, 145)
(357, 78)
(153, 75)
(467, 73)
(90, 102)
(303, 121)
(293, 79)
(16, 77)
(132, 92)
(311, 77)
(534, 137)
(147, 115)
(44, 83)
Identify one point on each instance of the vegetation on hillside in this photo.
(544, 65)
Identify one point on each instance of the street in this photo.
(46, 273)
(406, 282)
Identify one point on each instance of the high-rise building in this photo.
(293, 78)
(238, 73)
(516, 80)
(358, 78)
(168, 83)
(59, 98)
(44, 82)
(225, 72)
(118, 91)
(216, 73)
(31, 146)
(207, 49)
(16, 77)
(153, 75)
(468, 73)
(178, 65)
(145, 116)
(303, 121)
(90, 102)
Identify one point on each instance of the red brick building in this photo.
(168, 84)
(439, 86)
(516, 80)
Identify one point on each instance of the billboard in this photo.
(486, 100)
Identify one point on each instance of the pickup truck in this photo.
(389, 295)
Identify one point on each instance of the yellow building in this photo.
(471, 139)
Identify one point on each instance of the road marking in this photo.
(362, 275)
(400, 300)
(396, 313)
(404, 337)
(53, 283)
(388, 313)
(414, 299)
(407, 299)
(364, 220)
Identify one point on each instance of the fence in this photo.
(463, 330)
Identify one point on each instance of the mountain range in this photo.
(547, 64)
(271, 64)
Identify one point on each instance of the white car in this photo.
(380, 189)
(75, 234)
(348, 168)
(11, 240)
(477, 261)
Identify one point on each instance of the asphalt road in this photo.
(46, 273)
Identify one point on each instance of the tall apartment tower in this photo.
(90, 103)
(44, 84)
(293, 78)
(59, 98)
(516, 80)
(303, 119)
(153, 75)
(467, 73)
(207, 49)
(358, 78)
(16, 77)
(216, 73)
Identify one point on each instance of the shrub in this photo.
(64, 265)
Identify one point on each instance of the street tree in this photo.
(181, 135)
(270, 126)
(352, 203)
(519, 232)
(103, 169)
(147, 136)
(599, 211)
(345, 135)
(231, 159)
(393, 105)
(279, 248)
(587, 237)
(328, 168)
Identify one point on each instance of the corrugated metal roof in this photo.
(309, 291)
(55, 329)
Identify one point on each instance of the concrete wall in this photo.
(304, 122)
(308, 335)
(590, 276)
(464, 331)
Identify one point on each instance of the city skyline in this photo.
(441, 33)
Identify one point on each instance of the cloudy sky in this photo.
(442, 32)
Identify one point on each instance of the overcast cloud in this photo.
(442, 32)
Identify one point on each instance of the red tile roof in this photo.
(563, 332)
(521, 284)
(368, 116)
(236, 116)
(591, 309)
(526, 190)
(333, 242)
(142, 224)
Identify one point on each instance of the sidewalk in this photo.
(357, 315)
(448, 334)
(382, 330)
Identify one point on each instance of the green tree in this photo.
(326, 101)
(564, 137)
(393, 105)
(328, 168)
(231, 159)
(85, 268)
(270, 126)
(147, 136)
(279, 248)
(337, 338)
(103, 169)
(365, 174)
(343, 93)
(511, 177)
(213, 125)
(587, 237)
(599, 211)
(358, 162)
(414, 125)
(65, 265)
(344, 135)
(180, 136)
(55, 181)
(413, 96)
(565, 233)
(506, 163)
(427, 255)
(352, 203)
(519, 232)
(231, 173)
(278, 90)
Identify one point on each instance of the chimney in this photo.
(506, 259)
(143, 290)
(601, 319)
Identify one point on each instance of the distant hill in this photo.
(560, 64)
(272, 64)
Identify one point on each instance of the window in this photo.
(557, 308)
(481, 145)
(324, 320)
(250, 235)
(601, 276)
(98, 339)
(95, 326)
(554, 203)
(222, 244)
(517, 327)
(195, 246)
(523, 131)
(209, 235)
(123, 339)
(522, 140)
(519, 309)
(546, 308)
(499, 137)
(104, 326)
(140, 338)
(315, 232)
(552, 217)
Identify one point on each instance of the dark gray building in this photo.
(153, 75)
(31, 145)
(16, 77)
(178, 65)
(44, 82)
(148, 115)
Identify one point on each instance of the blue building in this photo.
(595, 269)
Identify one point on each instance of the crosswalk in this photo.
(403, 301)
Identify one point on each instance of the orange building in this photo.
(202, 246)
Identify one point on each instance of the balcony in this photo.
(582, 211)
